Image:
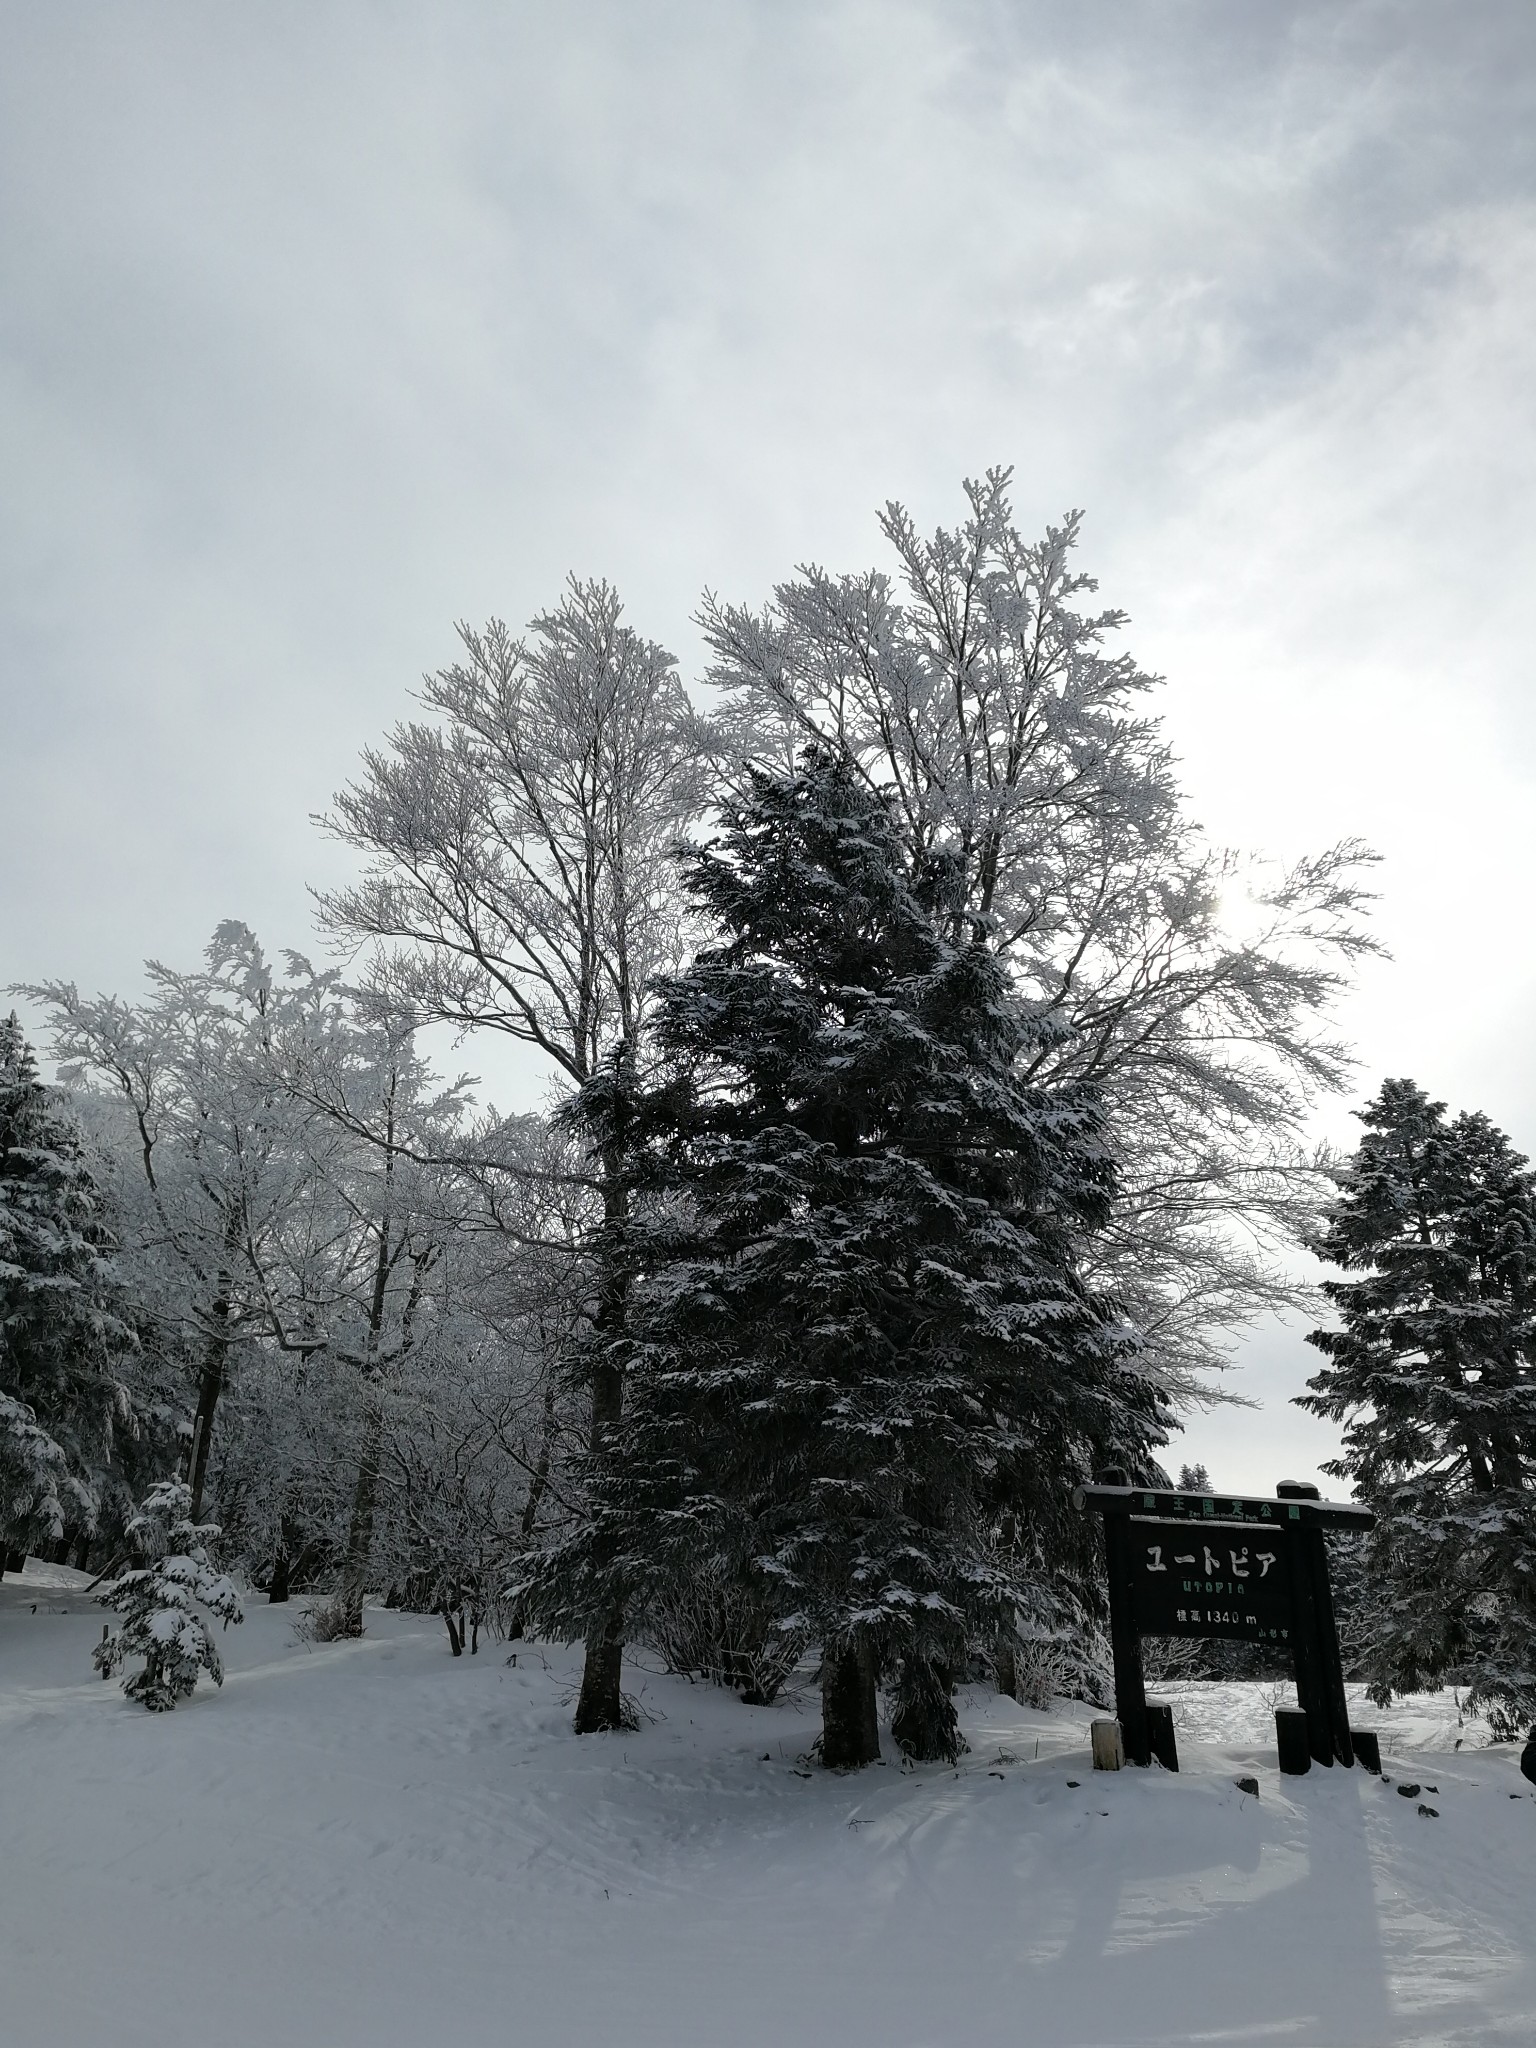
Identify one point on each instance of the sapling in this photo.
(160, 1603)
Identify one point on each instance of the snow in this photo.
(375, 1842)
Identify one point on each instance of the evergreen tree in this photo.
(159, 1603)
(63, 1347)
(37, 1488)
(1013, 729)
(1433, 1373)
(1194, 1479)
(856, 1342)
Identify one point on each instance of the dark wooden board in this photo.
(1224, 1581)
(1207, 1507)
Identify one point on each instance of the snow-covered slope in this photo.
(375, 1843)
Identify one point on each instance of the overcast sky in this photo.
(322, 326)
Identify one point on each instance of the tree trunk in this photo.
(209, 1388)
(277, 1592)
(1482, 1475)
(1508, 1466)
(1005, 1657)
(850, 1727)
(1005, 1663)
(539, 1483)
(354, 1577)
(354, 1574)
(600, 1705)
(924, 1723)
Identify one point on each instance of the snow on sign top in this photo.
(1143, 1502)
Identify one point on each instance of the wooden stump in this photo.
(1294, 1740)
(1160, 1735)
(1108, 1748)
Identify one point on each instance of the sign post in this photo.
(1233, 1569)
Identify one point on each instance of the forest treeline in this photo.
(926, 1109)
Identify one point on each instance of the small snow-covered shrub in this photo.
(713, 1629)
(160, 1603)
(328, 1621)
(1072, 1666)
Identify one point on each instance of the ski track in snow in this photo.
(375, 1842)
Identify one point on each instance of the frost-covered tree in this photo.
(65, 1350)
(486, 1415)
(1021, 750)
(857, 1334)
(216, 1138)
(519, 879)
(1432, 1372)
(160, 1603)
(368, 1251)
(315, 1221)
(518, 844)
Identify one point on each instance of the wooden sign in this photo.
(1283, 1510)
(1239, 1570)
(1210, 1582)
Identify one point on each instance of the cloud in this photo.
(1344, 600)
(323, 327)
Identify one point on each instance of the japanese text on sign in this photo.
(1220, 1582)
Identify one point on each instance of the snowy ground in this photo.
(374, 1843)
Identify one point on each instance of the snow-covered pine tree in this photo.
(38, 1492)
(975, 683)
(856, 1340)
(63, 1347)
(159, 1603)
(1433, 1374)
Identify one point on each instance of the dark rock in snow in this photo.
(1429, 1812)
(1408, 1791)
(1248, 1785)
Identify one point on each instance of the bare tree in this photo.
(519, 880)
